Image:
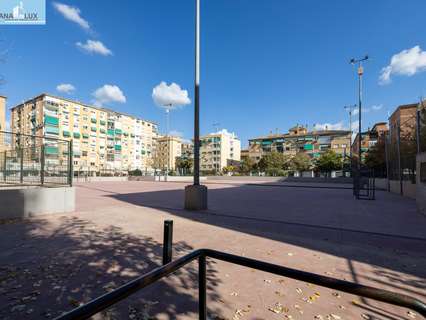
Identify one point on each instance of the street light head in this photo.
(352, 61)
(366, 57)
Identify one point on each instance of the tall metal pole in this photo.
(350, 127)
(360, 72)
(197, 96)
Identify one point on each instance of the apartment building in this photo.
(168, 148)
(2, 122)
(187, 150)
(370, 138)
(102, 139)
(218, 150)
(403, 117)
(299, 139)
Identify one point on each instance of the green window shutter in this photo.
(93, 120)
(102, 130)
(93, 129)
(110, 132)
(308, 147)
(66, 133)
(54, 121)
(85, 135)
(143, 152)
(51, 150)
(132, 135)
(126, 134)
(102, 122)
(51, 130)
(118, 131)
(76, 135)
(117, 147)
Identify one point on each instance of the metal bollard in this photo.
(168, 241)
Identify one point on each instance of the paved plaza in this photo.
(53, 263)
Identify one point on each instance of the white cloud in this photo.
(170, 96)
(107, 94)
(330, 126)
(407, 63)
(94, 46)
(65, 88)
(175, 133)
(377, 107)
(72, 14)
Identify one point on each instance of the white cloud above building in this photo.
(67, 88)
(108, 94)
(405, 63)
(170, 96)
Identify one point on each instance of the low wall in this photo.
(99, 179)
(24, 202)
(244, 178)
(188, 179)
(421, 186)
(381, 183)
(408, 188)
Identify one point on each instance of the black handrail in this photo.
(108, 299)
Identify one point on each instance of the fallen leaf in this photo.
(411, 314)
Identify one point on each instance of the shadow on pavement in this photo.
(344, 242)
(50, 272)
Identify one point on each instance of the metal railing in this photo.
(34, 160)
(103, 302)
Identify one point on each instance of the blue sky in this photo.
(266, 65)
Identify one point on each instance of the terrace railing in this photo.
(103, 302)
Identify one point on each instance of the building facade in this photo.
(168, 148)
(370, 138)
(102, 139)
(299, 139)
(219, 150)
(2, 122)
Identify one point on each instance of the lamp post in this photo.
(360, 72)
(350, 127)
(196, 194)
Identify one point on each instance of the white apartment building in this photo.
(219, 150)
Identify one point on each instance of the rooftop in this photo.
(311, 133)
(42, 95)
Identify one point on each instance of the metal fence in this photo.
(34, 160)
(401, 150)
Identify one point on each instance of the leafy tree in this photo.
(228, 169)
(184, 164)
(376, 157)
(247, 165)
(301, 162)
(274, 164)
(329, 161)
(136, 172)
(274, 160)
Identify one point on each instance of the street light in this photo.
(350, 108)
(196, 194)
(360, 72)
